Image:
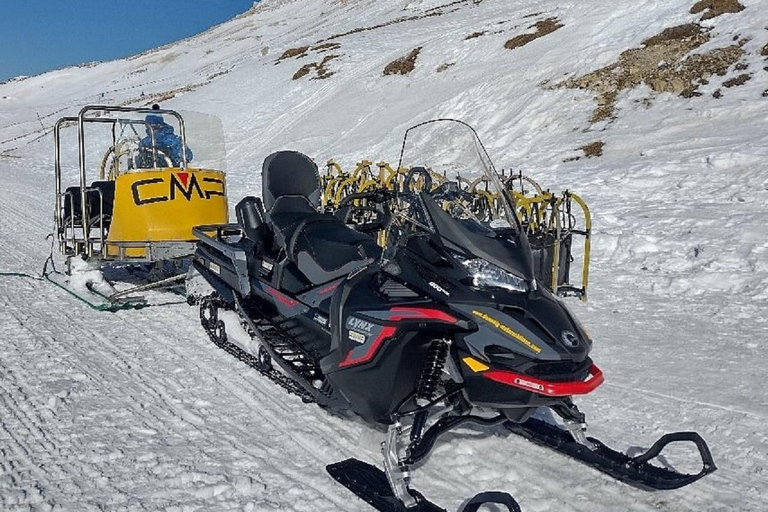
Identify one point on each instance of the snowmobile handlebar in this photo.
(377, 196)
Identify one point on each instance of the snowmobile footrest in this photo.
(370, 484)
(635, 471)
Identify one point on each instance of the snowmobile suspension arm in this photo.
(421, 447)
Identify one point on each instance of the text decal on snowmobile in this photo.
(365, 352)
(508, 331)
(184, 183)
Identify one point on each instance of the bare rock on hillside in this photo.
(664, 63)
(403, 65)
(714, 8)
(542, 27)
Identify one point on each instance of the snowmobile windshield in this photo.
(447, 161)
(118, 140)
(449, 186)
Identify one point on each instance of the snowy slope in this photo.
(137, 410)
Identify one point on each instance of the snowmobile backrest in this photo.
(286, 214)
(289, 173)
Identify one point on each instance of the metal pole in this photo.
(149, 286)
(83, 195)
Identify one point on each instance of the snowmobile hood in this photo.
(504, 248)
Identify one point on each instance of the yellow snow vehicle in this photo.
(145, 177)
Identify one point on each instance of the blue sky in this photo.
(40, 35)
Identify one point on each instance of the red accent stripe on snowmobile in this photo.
(404, 313)
(282, 298)
(329, 288)
(546, 388)
(386, 332)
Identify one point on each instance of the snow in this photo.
(137, 410)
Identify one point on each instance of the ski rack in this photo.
(551, 221)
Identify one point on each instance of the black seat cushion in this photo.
(287, 215)
(326, 249)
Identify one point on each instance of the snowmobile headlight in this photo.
(485, 274)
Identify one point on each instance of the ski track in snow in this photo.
(137, 410)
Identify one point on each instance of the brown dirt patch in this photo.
(217, 75)
(764, 51)
(593, 149)
(542, 27)
(403, 65)
(689, 32)
(320, 69)
(715, 8)
(395, 21)
(452, 4)
(737, 81)
(445, 66)
(291, 53)
(474, 35)
(326, 47)
(664, 64)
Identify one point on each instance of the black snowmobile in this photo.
(446, 325)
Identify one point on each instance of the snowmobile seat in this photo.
(322, 247)
(98, 191)
(326, 249)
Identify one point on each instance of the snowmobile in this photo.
(136, 198)
(444, 325)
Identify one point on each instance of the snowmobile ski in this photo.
(370, 484)
(635, 471)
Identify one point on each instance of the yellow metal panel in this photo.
(163, 205)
